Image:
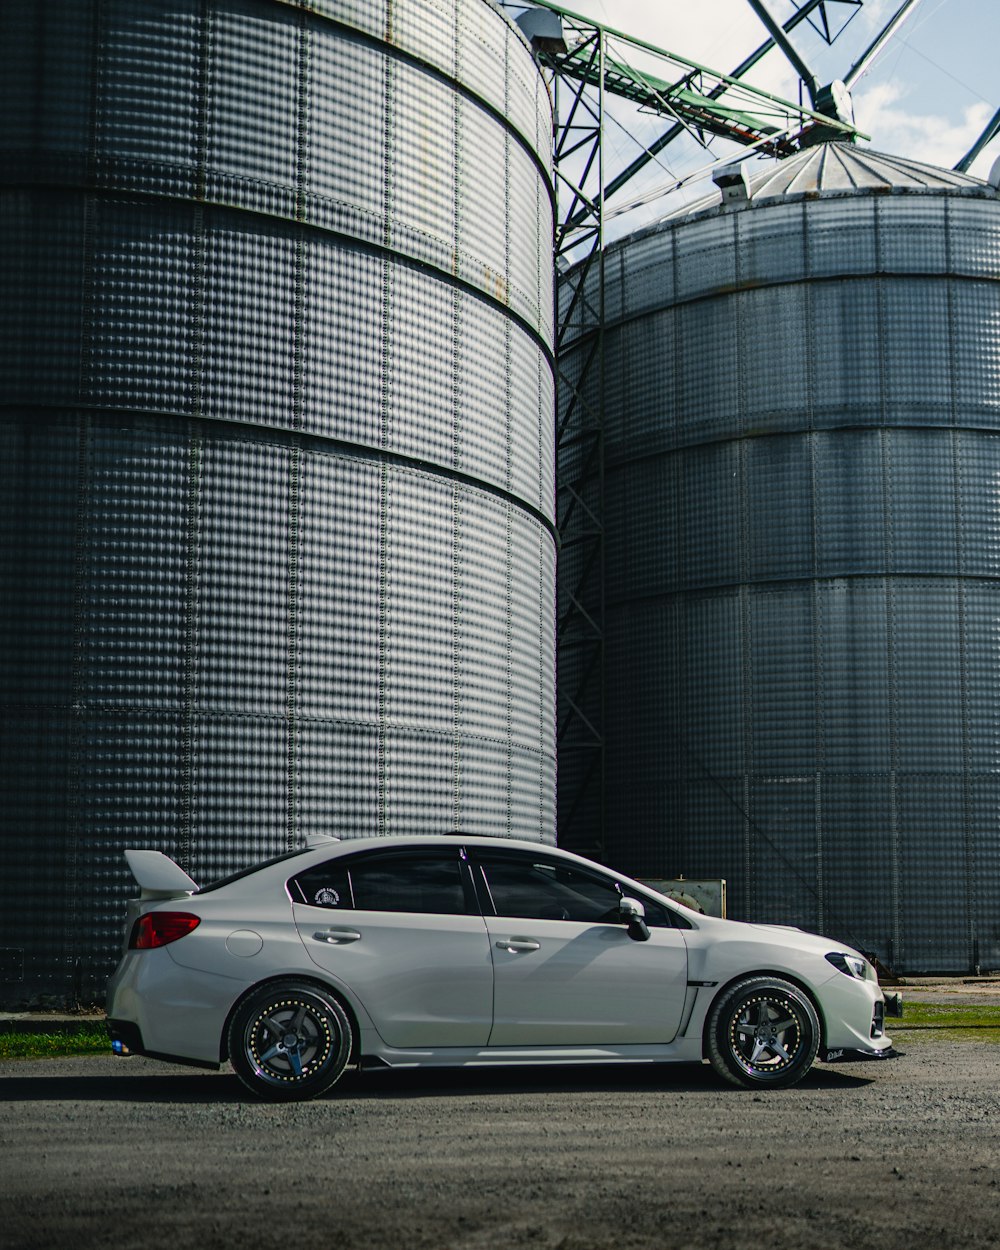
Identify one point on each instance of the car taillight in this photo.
(158, 928)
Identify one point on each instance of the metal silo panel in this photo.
(921, 470)
(482, 237)
(346, 310)
(527, 692)
(916, 346)
(421, 125)
(783, 850)
(707, 400)
(530, 422)
(648, 275)
(481, 53)
(417, 608)
(770, 248)
(846, 359)
(709, 640)
(43, 264)
(530, 236)
(850, 502)
(779, 490)
(913, 238)
(485, 607)
(482, 790)
(47, 101)
(649, 380)
(426, 29)
(859, 861)
(842, 234)
(977, 352)
(248, 317)
(708, 529)
(418, 389)
(132, 647)
(979, 483)
(933, 872)
(337, 765)
(146, 123)
(242, 579)
(338, 598)
(252, 133)
(776, 395)
(927, 709)
(417, 782)
(973, 239)
(138, 352)
(708, 262)
(482, 368)
(38, 532)
(346, 152)
(781, 684)
(238, 792)
(985, 866)
(855, 690)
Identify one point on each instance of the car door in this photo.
(566, 972)
(401, 930)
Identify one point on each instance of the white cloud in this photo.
(889, 112)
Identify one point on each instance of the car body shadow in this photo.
(181, 1085)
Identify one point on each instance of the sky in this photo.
(928, 95)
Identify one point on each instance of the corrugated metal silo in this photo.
(277, 393)
(802, 512)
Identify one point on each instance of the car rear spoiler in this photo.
(158, 876)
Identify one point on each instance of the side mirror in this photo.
(633, 915)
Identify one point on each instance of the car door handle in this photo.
(516, 945)
(337, 937)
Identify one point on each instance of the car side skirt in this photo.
(683, 1050)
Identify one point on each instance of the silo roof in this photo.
(839, 168)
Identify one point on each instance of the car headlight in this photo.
(850, 965)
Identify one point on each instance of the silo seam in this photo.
(203, 87)
(958, 443)
(192, 565)
(292, 650)
(819, 674)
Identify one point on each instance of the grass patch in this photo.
(91, 1040)
(970, 1022)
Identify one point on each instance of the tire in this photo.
(290, 1041)
(762, 1032)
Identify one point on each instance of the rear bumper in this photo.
(126, 1040)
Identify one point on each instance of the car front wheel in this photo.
(763, 1031)
(290, 1041)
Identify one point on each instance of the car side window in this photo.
(327, 885)
(539, 889)
(424, 883)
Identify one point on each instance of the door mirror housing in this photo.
(633, 916)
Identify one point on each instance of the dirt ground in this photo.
(135, 1153)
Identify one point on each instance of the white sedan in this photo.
(453, 951)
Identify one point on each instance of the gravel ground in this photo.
(134, 1153)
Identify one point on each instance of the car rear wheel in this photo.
(290, 1041)
(763, 1032)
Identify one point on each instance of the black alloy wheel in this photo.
(290, 1041)
(763, 1032)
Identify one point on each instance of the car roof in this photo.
(293, 862)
